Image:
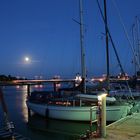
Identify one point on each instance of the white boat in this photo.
(116, 112)
(75, 113)
(82, 112)
(75, 108)
(79, 113)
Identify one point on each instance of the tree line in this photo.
(10, 78)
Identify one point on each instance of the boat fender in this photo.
(47, 112)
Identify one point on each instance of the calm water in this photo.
(38, 128)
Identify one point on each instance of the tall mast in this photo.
(134, 41)
(83, 68)
(111, 40)
(138, 41)
(107, 48)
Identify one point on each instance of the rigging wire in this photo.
(126, 33)
(134, 40)
(113, 45)
(138, 39)
(112, 42)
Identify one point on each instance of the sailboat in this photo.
(79, 106)
(70, 108)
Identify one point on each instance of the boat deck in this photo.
(125, 129)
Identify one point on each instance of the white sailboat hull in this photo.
(63, 112)
(71, 113)
(113, 113)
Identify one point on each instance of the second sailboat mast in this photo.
(107, 48)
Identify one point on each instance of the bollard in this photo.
(103, 113)
(28, 96)
(102, 100)
(28, 90)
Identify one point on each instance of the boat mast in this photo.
(134, 41)
(83, 68)
(107, 48)
(111, 40)
(138, 41)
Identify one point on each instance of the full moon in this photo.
(26, 59)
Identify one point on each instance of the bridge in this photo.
(34, 82)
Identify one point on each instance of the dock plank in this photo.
(125, 129)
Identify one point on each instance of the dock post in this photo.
(28, 96)
(28, 90)
(103, 115)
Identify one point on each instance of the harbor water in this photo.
(37, 128)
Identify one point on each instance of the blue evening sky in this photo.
(44, 31)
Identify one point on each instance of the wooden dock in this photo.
(125, 129)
